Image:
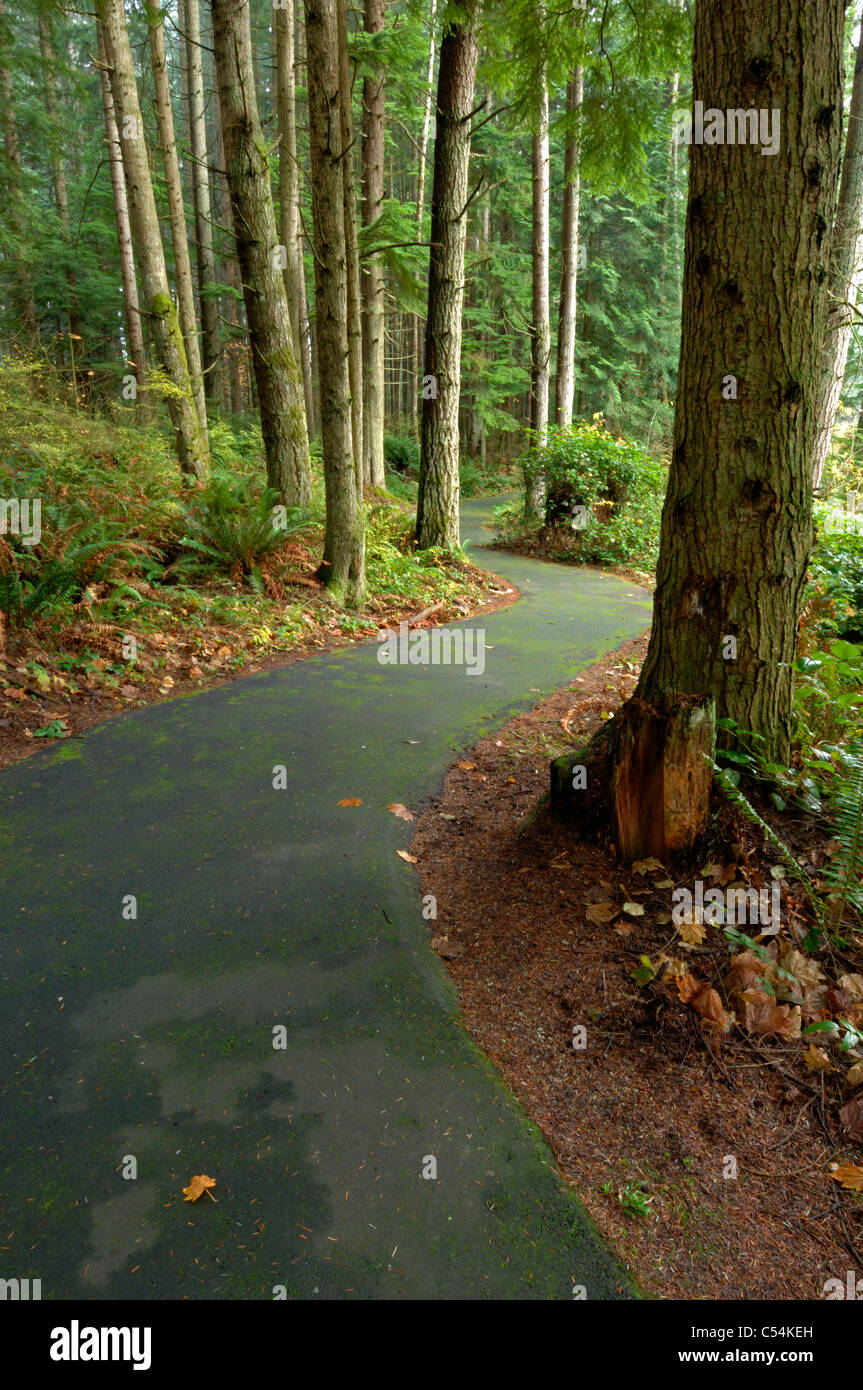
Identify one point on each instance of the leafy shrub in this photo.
(231, 526)
(611, 488)
(401, 453)
(833, 602)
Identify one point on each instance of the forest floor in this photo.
(702, 1152)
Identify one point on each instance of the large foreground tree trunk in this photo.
(157, 303)
(355, 313)
(737, 521)
(277, 373)
(343, 565)
(437, 505)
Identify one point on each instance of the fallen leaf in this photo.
(466, 767)
(850, 1175)
(601, 913)
(447, 949)
(663, 883)
(128, 691)
(351, 801)
(851, 1116)
(633, 909)
(644, 866)
(399, 810)
(564, 722)
(817, 1059)
(745, 969)
(168, 681)
(444, 815)
(197, 1187)
(408, 858)
(762, 1015)
(691, 930)
(853, 985)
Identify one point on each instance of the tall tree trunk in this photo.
(846, 275)
(58, 174)
(235, 348)
(277, 374)
(373, 282)
(421, 194)
(191, 442)
(437, 503)
(308, 351)
(15, 206)
(191, 23)
(540, 329)
(343, 565)
(737, 521)
(134, 330)
(289, 210)
(355, 314)
(174, 188)
(565, 390)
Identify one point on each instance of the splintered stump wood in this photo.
(660, 785)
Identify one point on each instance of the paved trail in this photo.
(259, 907)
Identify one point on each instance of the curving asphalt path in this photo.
(152, 1039)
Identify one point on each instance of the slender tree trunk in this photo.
(174, 188)
(355, 315)
(373, 283)
(308, 352)
(737, 521)
(565, 391)
(437, 504)
(846, 275)
(235, 348)
(14, 204)
(58, 172)
(540, 329)
(134, 330)
(191, 22)
(277, 374)
(289, 211)
(343, 566)
(421, 194)
(191, 442)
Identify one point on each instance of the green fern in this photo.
(742, 803)
(844, 877)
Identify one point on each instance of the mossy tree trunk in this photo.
(437, 505)
(157, 303)
(373, 281)
(540, 327)
(277, 374)
(343, 565)
(737, 520)
(565, 390)
(201, 193)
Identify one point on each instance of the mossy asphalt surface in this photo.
(256, 907)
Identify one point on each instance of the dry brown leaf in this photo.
(564, 722)
(644, 866)
(197, 1187)
(351, 801)
(448, 949)
(762, 1015)
(466, 767)
(399, 810)
(690, 930)
(408, 858)
(853, 985)
(633, 909)
(722, 873)
(688, 987)
(601, 913)
(817, 1059)
(745, 968)
(851, 1116)
(850, 1175)
(709, 1005)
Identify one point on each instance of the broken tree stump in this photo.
(662, 770)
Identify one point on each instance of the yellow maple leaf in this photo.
(850, 1175)
(197, 1187)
